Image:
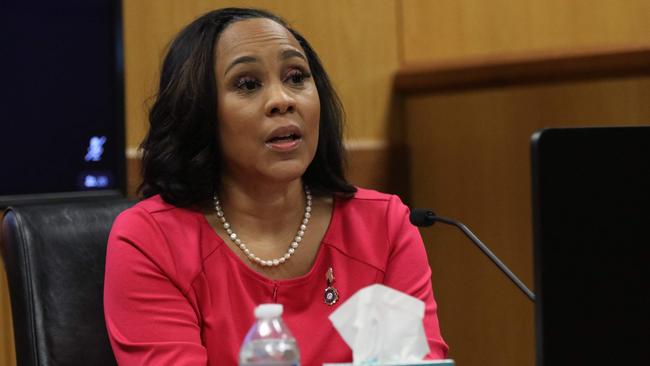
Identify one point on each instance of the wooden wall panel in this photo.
(357, 43)
(453, 29)
(473, 165)
(7, 351)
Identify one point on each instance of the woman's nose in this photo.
(280, 100)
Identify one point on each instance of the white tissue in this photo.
(382, 325)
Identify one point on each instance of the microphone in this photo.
(423, 217)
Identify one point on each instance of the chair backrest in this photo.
(54, 256)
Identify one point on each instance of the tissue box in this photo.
(447, 362)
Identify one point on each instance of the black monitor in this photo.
(591, 213)
(62, 119)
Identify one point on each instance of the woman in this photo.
(246, 203)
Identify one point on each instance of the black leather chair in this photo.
(54, 256)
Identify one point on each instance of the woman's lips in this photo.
(284, 138)
(284, 144)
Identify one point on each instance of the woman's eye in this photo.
(296, 77)
(247, 84)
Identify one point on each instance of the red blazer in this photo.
(175, 293)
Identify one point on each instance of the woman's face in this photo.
(268, 105)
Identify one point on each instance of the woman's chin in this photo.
(285, 171)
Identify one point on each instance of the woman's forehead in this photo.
(252, 34)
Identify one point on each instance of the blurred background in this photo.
(441, 99)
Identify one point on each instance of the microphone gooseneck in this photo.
(423, 217)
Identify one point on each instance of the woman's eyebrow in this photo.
(240, 60)
(287, 54)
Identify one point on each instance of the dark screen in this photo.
(591, 202)
(62, 112)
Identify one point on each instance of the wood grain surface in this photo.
(526, 68)
(7, 351)
(453, 29)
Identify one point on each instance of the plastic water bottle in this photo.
(269, 341)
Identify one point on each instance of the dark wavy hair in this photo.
(182, 157)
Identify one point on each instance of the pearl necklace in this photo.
(249, 254)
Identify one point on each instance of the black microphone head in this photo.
(422, 217)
